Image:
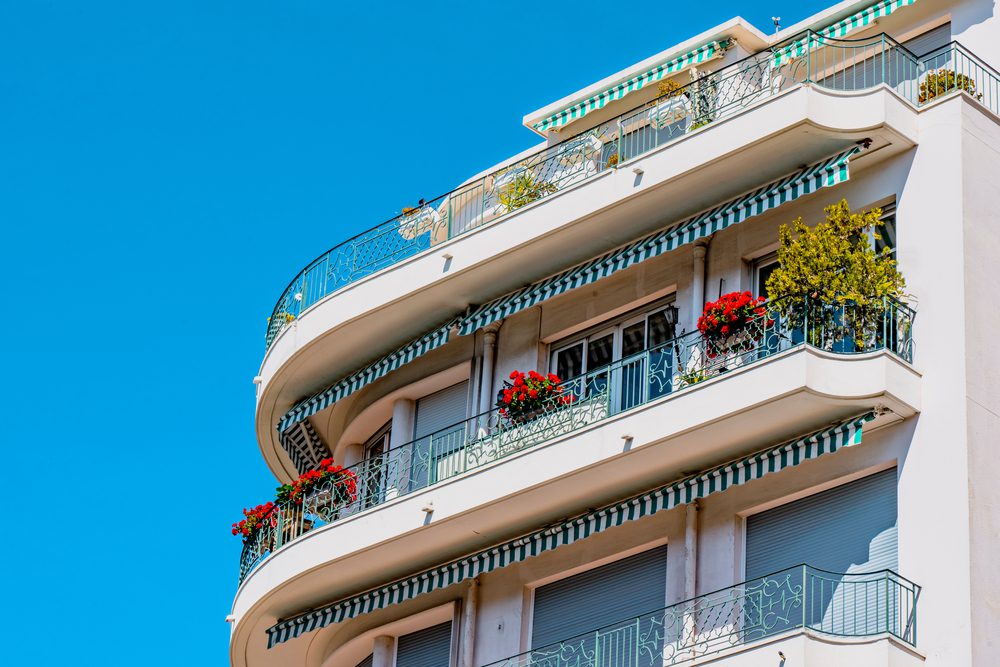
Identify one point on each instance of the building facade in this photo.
(815, 487)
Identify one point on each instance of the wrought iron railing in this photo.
(803, 597)
(677, 364)
(711, 96)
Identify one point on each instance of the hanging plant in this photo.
(526, 396)
(733, 323)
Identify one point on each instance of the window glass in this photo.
(569, 362)
(887, 233)
(600, 351)
(764, 271)
(633, 339)
(660, 331)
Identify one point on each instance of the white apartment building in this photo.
(813, 496)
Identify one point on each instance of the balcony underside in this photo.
(678, 179)
(790, 394)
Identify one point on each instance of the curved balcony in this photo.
(803, 598)
(846, 65)
(670, 368)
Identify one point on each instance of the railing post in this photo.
(805, 595)
(885, 576)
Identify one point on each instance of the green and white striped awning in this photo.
(685, 491)
(861, 19)
(580, 109)
(825, 173)
(359, 379)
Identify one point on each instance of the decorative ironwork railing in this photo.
(675, 365)
(711, 96)
(803, 597)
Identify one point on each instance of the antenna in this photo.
(776, 20)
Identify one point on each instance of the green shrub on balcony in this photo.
(943, 81)
(524, 189)
(831, 282)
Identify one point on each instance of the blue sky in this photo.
(165, 169)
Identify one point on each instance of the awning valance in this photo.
(856, 21)
(580, 109)
(359, 379)
(825, 173)
(684, 491)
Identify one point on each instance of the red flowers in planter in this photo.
(733, 322)
(341, 482)
(527, 395)
(253, 520)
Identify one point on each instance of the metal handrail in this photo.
(710, 97)
(798, 598)
(675, 365)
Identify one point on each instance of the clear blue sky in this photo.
(165, 169)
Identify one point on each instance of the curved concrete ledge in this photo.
(732, 415)
(682, 177)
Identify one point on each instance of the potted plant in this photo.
(526, 396)
(831, 282)
(941, 81)
(733, 324)
(254, 520)
(522, 188)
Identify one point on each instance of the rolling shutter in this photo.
(425, 648)
(596, 598)
(440, 410)
(850, 528)
(929, 41)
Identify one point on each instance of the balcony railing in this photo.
(673, 366)
(803, 597)
(834, 64)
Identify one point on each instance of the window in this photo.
(887, 232)
(430, 647)
(763, 267)
(439, 435)
(847, 530)
(626, 357)
(373, 470)
(606, 610)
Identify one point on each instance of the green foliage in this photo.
(834, 264)
(942, 81)
(524, 189)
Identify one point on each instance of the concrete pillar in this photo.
(698, 283)
(489, 361)
(384, 651)
(403, 414)
(469, 608)
(691, 550)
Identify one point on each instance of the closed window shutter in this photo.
(933, 39)
(440, 410)
(426, 648)
(440, 434)
(847, 528)
(596, 598)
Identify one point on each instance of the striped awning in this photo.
(359, 379)
(861, 19)
(684, 491)
(825, 173)
(580, 109)
(304, 446)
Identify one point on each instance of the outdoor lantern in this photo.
(670, 313)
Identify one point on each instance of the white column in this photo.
(384, 651)
(469, 609)
(698, 282)
(353, 453)
(401, 431)
(691, 550)
(489, 361)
